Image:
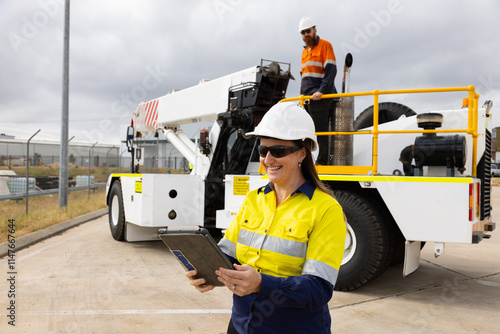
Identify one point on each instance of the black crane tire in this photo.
(116, 212)
(367, 253)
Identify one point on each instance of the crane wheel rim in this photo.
(350, 245)
(115, 208)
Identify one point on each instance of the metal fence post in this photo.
(107, 161)
(90, 150)
(28, 168)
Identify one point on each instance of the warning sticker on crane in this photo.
(241, 185)
(138, 187)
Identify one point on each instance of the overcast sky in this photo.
(123, 52)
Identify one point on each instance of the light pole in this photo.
(90, 150)
(63, 155)
(28, 168)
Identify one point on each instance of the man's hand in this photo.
(242, 281)
(317, 96)
(198, 283)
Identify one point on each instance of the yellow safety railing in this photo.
(364, 170)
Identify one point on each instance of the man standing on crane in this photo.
(318, 70)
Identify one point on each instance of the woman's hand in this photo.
(198, 283)
(242, 281)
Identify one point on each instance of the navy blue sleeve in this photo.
(232, 259)
(328, 85)
(305, 291)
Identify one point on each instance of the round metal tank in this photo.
(341, 150)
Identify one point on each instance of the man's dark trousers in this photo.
(321, 111)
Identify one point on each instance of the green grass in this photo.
(43, 211)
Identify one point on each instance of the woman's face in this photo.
(284, 170)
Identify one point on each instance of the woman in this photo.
(287, 240)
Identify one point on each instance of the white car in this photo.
(495, 171)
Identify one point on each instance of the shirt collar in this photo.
(306, 188)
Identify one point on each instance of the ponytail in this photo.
(308, 168)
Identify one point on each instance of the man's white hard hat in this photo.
(287, 121)
(305, 23)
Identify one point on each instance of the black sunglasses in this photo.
(277, 151)
(306, 31)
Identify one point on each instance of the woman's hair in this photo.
(308, 167)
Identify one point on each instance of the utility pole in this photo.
(63, 156)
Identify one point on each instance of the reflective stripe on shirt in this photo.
(330, 61)
(320, 269)
(228, 247)
(312, 63)
(273, 244)
(318, 64)
(313, 75)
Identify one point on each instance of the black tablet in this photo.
(196, 250)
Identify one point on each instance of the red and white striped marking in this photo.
(151, 110)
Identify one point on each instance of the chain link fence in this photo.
(150, 165)
(157, 155)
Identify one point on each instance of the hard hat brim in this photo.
(304, 28)
(272, 135)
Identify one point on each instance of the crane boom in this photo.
(198, 103)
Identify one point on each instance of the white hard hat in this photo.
(305, 23)
(287, 121)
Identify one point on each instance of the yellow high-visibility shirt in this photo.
(304, 235)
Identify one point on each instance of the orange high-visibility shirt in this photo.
(318, 69)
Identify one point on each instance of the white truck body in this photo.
(400, 193)
(150, 199)
(438, 202)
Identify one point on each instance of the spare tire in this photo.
(387, 112)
